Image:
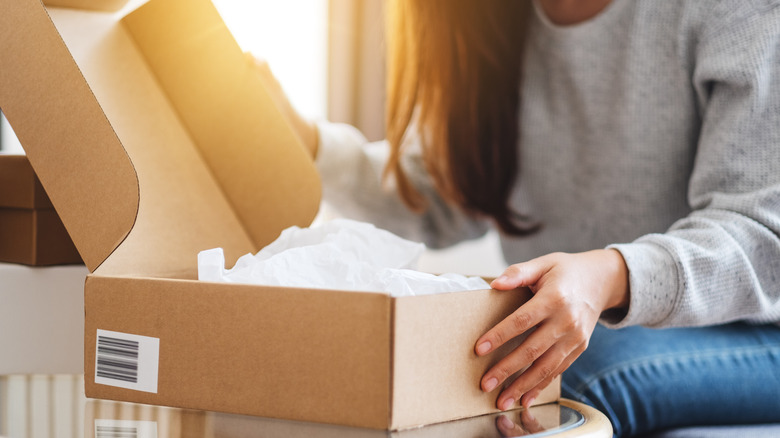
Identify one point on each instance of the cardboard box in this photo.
(169, 144)
(31, 233)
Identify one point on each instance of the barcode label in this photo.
(117, 359)
(125, 429)
(127, 361)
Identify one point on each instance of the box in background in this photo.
(31, 232)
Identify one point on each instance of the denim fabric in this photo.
(654, 379)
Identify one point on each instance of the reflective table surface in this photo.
(43, 406)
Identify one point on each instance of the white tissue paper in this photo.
(339, 254)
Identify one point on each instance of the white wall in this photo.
(41, 319)
(42, 406)
(292, 36)
(8, 141)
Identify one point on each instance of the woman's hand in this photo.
(306, 129)
(570, 293)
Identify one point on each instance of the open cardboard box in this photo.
(31, 233)
(155, 139)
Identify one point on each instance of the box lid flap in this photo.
(72, 146)
(212, 162)
(258, 160)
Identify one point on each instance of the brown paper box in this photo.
(31, 233)
(177, 147)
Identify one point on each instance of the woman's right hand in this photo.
(305, 128)
(571, 291)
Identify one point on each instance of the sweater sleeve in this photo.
(721, 263)
(351, 170)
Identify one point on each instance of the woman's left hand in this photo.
(570, 293)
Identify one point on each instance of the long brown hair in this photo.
(454, 75)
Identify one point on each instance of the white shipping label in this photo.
(125, 429)
(127, 361)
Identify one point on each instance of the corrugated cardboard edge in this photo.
(48, 102)
(92, 5)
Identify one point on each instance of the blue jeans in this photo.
(654, 379)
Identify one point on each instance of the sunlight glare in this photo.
(292, 36)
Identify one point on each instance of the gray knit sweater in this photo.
(653, 128)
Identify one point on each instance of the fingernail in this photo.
(483, 347)
(500, 279)
(530, 402)
(508, 403)
(491, 384)
(506, 422)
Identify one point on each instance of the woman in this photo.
(642, 138)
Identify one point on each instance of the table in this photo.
(54, 406)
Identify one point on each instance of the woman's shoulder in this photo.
(716, 16)
(694, 20)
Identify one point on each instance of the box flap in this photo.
(233, 175)
(256, 157)
(94, 5)
(68, 140)
(19, 186)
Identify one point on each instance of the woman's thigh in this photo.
(652, 379)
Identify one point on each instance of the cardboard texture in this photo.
(176, 147)
(65, 132)
(19, 186)
(31, 233)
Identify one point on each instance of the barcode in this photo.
(117, 359)
(106, 428)
(127, 361)
(116, 432)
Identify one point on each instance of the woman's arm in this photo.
(725, 256)
(720, 263)
(351, 169)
